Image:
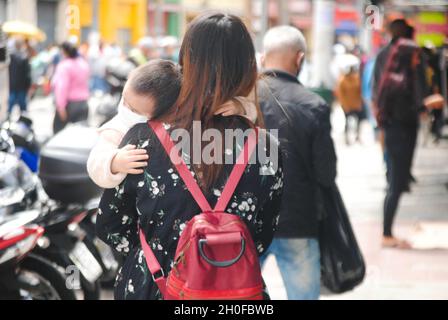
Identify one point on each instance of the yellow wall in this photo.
(114, 15)
(85, 18)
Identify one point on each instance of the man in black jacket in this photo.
(303, 121)
(19, 78)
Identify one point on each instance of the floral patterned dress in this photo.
(159, 203)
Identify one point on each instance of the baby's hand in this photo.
(129, 160)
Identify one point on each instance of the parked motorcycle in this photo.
(24, 275)
(66, 182)
(64, 243)
(22, 135)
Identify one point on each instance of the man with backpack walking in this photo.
(303, 121)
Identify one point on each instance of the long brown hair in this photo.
(218, 63)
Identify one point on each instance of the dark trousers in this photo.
(400, 144)
(437, 123)
(19, 98)
(77, 111)
(358, 116)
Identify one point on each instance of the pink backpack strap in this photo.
(180, 165)
(238, 171)
(153, 265)
(235, 176)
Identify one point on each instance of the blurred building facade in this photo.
(165, 17)
(125, 21)
(117, 21)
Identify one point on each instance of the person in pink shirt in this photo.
(71, 88)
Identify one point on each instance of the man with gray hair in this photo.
(303, 121)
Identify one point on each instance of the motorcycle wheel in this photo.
(108, 278)
(51, 283)
(86, 291)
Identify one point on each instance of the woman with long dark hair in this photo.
(398, 116)
(218, 64)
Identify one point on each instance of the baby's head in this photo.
(152, 88)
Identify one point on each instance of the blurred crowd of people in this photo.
(47, 71)
(394, 90)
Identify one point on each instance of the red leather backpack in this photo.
(216, 257)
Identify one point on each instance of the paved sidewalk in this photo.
(422, 218)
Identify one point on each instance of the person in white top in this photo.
(151, 91)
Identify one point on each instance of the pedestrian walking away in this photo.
(398, 116)
(71, 88)
(348, 92)
(296, 245)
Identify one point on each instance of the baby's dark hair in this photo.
(159, 79)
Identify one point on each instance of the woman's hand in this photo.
(129, 160)
(241, 106)
(231, 108)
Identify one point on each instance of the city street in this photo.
(422, 217)
(392, 274)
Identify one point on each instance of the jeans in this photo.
(299, 264)
(17, 97)
(98, 83)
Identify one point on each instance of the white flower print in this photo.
(267, 169)
(181, 228)
(155, 189)
(142, 144)
(160, 214)
(156, 245)
(123, 246)
(244, 206)
(140, 256)
(141, 184)
(175, 178)
(125, 219)
(119, 190)
(130, 286)
(217, 192)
